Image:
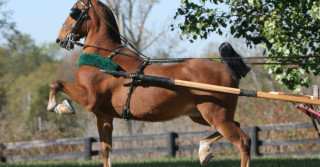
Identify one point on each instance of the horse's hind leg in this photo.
(222, 120)
(234, 134)
(204, 150)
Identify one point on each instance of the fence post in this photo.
(254, 140)
(316, 94)
(88, 148)
(316, 91)
(2, 159)
(172, 144)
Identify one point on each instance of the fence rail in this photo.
(171, 145)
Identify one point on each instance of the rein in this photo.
(84, 16)
(105, 49)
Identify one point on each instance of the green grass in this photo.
(312, 161)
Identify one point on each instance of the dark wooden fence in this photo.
(171, 148)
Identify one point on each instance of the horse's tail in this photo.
(233, 61)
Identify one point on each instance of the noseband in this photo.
(80, 17)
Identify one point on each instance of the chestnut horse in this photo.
(105, 95)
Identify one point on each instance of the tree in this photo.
(20, 59)
(7, 28)
(286, 28)
(2, 90)
(133, 19)
(23, 56)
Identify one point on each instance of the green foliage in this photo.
(19, 59)
(285, 28)
(23, 56)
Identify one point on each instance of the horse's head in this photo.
(74, 27)
(88, 17)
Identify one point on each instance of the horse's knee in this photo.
(55, 85)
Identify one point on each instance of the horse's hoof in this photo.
(206, 158)
(65, 108)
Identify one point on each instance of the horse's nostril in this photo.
(58, 41)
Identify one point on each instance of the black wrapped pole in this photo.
(142, 77)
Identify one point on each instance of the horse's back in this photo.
(196, 70)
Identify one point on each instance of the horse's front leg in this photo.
(105, 132)
(75, 92)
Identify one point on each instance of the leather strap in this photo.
(116, 51)
(126, 108)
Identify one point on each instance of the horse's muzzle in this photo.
(65, 43)
(62, 43)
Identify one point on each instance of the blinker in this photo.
(75, 13)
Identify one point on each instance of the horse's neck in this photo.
(100, 37)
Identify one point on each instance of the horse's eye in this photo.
(75, 13)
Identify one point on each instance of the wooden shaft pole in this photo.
(206, 87)
(290, 98)
(266, 95)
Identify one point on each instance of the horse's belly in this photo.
(160, 104)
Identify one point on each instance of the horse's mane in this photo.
(108, 15)
(232, 60)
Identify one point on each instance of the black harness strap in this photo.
(126, 108)
(115, 52)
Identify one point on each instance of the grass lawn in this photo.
(305, 161)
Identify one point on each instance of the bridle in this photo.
(83, 15)
(80, 16)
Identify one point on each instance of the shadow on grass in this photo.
(287, 162)
(255, 162)
(226, 162)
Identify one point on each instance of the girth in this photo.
(133, 85)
